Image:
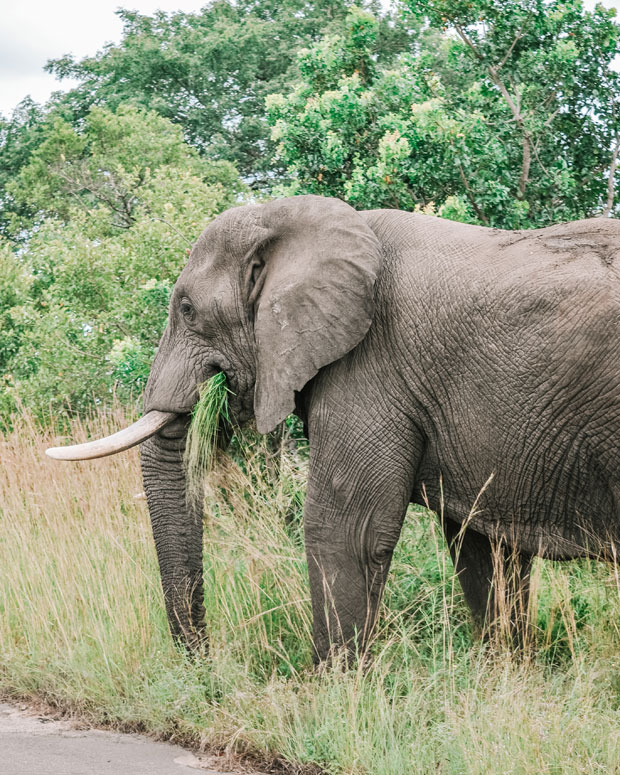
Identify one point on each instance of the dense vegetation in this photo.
(497, 112)
(501, 113)
(114, 207)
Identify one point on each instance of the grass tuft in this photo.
(204, 430)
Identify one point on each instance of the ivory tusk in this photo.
(136, 433)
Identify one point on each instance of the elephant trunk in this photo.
(177, 529)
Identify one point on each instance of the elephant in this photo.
(471, 369)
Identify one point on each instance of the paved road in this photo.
(31, 745)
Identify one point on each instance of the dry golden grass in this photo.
(77, 562)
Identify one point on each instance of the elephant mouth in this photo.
(241, 407)
(240, 399)
(176, 428)
(170, 425)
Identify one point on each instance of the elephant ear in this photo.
(313, 293)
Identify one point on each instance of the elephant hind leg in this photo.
(495, 579)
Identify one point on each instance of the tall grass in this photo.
(82, 627)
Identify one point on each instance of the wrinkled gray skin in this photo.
(424, 357)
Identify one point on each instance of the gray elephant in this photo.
(426, 358)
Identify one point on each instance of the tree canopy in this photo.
(211, 71)
(118, 205)
(505, 113)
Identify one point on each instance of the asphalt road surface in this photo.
(34, 745)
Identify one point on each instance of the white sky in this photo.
(33, 31)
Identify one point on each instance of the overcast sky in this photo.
(33, 31)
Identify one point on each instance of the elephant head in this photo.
(270, 294)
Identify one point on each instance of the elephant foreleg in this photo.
(495, 579)
(360, 480)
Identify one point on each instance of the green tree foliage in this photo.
(210, 71)
(14, 295)
(20, 135)
(107, 164)
(507, 114)
(84, 302)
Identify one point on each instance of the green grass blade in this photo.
(209, 411)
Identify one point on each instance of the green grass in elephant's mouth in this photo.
(208, 416)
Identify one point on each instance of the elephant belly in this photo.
(555, 501)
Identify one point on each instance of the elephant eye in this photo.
(188, 311)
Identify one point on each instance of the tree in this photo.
(208, 72)
(107, 163)
(211, 71)
(20, 135)
(14, 289)
(505, 115)
(548, 65)
(84, 301)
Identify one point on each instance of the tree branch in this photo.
(552, 116)
(468, 42)
(513, 104)
(174, 228)
(612, 178)
(470, 194)
(514, 109)
(525, 166)
(518, 37)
